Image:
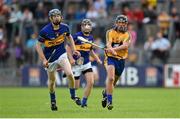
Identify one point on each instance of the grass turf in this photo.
(128, 102)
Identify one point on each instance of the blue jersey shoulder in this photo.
(65, 25)
(65, 28)
(91, 37)
(46, 28)
(76, 35)
(43, 32)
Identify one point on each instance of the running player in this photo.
(82, 65)
(118, 41)
(53, 36)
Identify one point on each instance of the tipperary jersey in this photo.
(53, 39)
(83, 48)
(116, 40)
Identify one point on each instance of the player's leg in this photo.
(96, 73)
(104, 92)
(77, 80)
(89, 77)
(110, 85)
(77, 73)
(66, 66)
(51, 86)
(119, 69)
(77, 83)
(104, 100)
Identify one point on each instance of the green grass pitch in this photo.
(128, 102)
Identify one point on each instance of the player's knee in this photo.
(52, 77)
(110, 79)
(76, 85)
(51, 83)
(70, 77)
(52, 89)
(51, 86)
(69, 74)
(90, 83)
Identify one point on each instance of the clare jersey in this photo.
(117, 39)
(53, 39)
(83, 48)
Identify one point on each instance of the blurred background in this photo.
(153, 55)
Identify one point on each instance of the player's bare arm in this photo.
(125, 45)
(71, 41)
(108, 44)
(70, 55)
(109, 48)
(41, 54)
(93, 54)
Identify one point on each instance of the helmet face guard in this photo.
(55, 16)
(86, 26)
(121, 23)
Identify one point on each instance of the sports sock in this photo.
(84, 101)
(72, 92)
(53, 96)
(109, 98)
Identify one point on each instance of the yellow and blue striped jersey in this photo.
(117, 39)
(53, 39)
(83, 48)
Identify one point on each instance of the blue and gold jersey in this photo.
(83, 48)
(53, 39)
(116, 40)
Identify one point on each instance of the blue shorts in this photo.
(118, 64)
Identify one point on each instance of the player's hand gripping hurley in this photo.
(51, 66)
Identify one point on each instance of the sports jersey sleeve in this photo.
(127, 37)
(75, 37)
(108, 36)
(67, 30)
(42, 36)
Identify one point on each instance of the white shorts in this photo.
(78, 69)
(57, 63)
